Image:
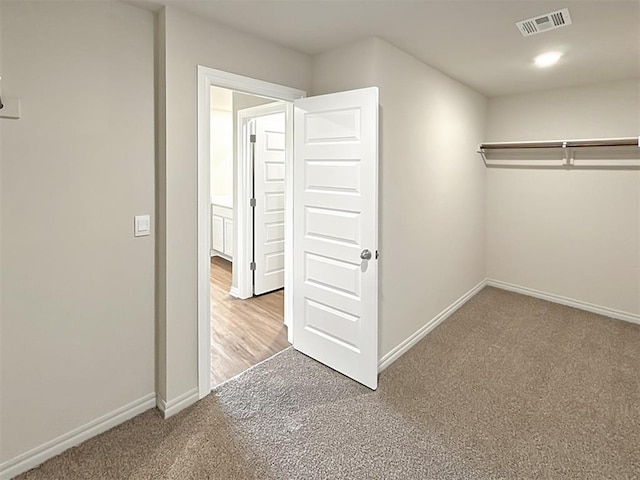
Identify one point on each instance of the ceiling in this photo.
(475, 42)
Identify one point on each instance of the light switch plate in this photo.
(11, 108)
(141, 225)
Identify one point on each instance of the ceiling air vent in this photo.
(549, 21)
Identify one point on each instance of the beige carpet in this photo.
(509, 387)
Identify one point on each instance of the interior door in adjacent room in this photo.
(269, 188)
(335, 232)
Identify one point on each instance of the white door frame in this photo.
(208, 77)
(244, 241)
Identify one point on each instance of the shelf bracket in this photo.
(567, 155)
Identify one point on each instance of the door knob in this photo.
(365, 254)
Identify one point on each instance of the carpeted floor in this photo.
(509, 387)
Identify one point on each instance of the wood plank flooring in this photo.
(243, 332)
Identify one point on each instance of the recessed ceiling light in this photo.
(547, 59)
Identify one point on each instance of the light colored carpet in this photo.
(509, 387)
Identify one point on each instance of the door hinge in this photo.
(252, 202)
(252, 265)
(252, 138)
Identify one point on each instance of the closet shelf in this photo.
(587, 153)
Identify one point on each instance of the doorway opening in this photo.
(247, 143)
(330, 254)
(207, 78)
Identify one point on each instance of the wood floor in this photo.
(243, 332)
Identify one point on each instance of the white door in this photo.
(268, 230)
(335, 304)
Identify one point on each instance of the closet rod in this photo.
(604, 142)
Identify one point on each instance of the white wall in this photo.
(432, 188)
(187, 41)
(432, 193)
(345, 68)
(77, 316)
(1, 123)
(221, 153)
(572, 233)
(221, 144)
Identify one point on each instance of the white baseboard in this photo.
(401, 349)
(235, 292)
(570, 302)
(38, 455)
(216, 253)
(177, 404)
